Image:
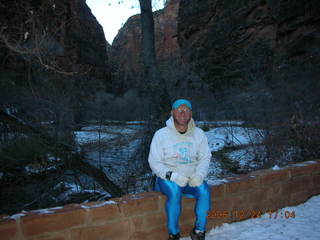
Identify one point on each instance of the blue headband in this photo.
(179, 102)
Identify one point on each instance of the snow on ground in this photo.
(242, 148)
(247, 155)
(242, 156)
(93, 132)
(220, 137)
(83, 137)
(119, 143)
(115, 151)
(220, 123)
(303, 225)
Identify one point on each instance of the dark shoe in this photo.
(174, 236)
(197, 235)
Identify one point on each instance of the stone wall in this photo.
(136, 216)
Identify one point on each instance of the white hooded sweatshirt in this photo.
(186, 154)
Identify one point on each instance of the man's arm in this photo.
(202, 169)
(204, 157)
(156, 156)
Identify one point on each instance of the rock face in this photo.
(87, 37)
(126, 48)
(236, 43)
(258, 49)
(60, 36)
(207, 44)
(54, 50)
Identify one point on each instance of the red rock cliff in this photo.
(233, 43)
(126, 47)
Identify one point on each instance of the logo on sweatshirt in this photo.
(182, 152)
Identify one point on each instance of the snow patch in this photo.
(220, 137)
(215, 182)
(276, 168)
(304, 225)
(99, 205)
(17, 216)
(220, 123)
(43, 211)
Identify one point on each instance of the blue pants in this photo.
(174, 194)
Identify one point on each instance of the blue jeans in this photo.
(174, 194)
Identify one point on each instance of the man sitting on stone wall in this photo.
(180, 157)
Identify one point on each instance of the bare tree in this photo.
(45, 94)
(156, 86)
(30, 37)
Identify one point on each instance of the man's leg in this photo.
(203, 204)
(173, 203)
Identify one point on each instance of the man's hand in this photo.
(195, 181)
(179, 179)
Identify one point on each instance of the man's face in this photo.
(182, 115)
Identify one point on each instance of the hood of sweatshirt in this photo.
(191, 126)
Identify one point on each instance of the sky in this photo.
(291, 223)
(112, 14)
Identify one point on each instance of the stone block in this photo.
(8, 228)
(37, 223)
